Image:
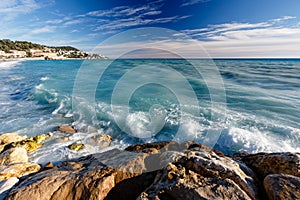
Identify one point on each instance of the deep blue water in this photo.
(237, 105)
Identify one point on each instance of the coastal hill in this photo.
(25, 49)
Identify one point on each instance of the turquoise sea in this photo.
(254, 105)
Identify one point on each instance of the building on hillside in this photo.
(13, 54)
(18, 54)
(36, 53)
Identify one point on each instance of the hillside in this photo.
(25, 49)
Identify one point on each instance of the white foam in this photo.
(44, 78)
(254, 141)
(9, 64)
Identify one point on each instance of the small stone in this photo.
(40, 138)
(102, 140)
(67, 129)
(63, 139)
(76, 146)
(13, 155)
(49, 165)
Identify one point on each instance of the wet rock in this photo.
(102, 140)
(18, 170)
(40, 138)
(6, 185)
(8, 138)
(273, 163)
(13, 155)
(28, 144)
(282, 187)
(67, 129)
(76, 146)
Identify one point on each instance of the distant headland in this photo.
(24, 49)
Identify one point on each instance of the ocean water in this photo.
(248, 105)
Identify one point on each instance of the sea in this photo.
(233, 105)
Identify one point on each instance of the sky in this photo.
(223, 28)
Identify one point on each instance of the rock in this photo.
(13, 155)
(162, 170)
(49, 165)
(177, 183)
(211, 168)
(18, 170)
(90, 177)
(282, 186)
(40, 138)
(63, 139)
(28, 144)
(67, 129)
(102, 140)
(273, 163)
(76, 146)
(8, 138)
(6, 185)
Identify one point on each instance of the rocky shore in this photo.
(164, 170)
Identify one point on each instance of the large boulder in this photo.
(90, 177)
(273, 163)
(13, 155)
(176, 183)
(7, 138)
(200, 173)
(282, 187)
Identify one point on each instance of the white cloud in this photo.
(273, 38)
(192, 2)
(270, 39)
(46, 29)
(12, 8)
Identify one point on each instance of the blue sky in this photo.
(225, 28)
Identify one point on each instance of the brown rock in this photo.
(90, 177)
(13, 155)
(18, 170)
(209, 165)
(282, 186)
(49, 165)
(176, 183)
(8, 138)
(273, 163)
(67, 129)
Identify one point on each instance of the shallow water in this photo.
(262, 103)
